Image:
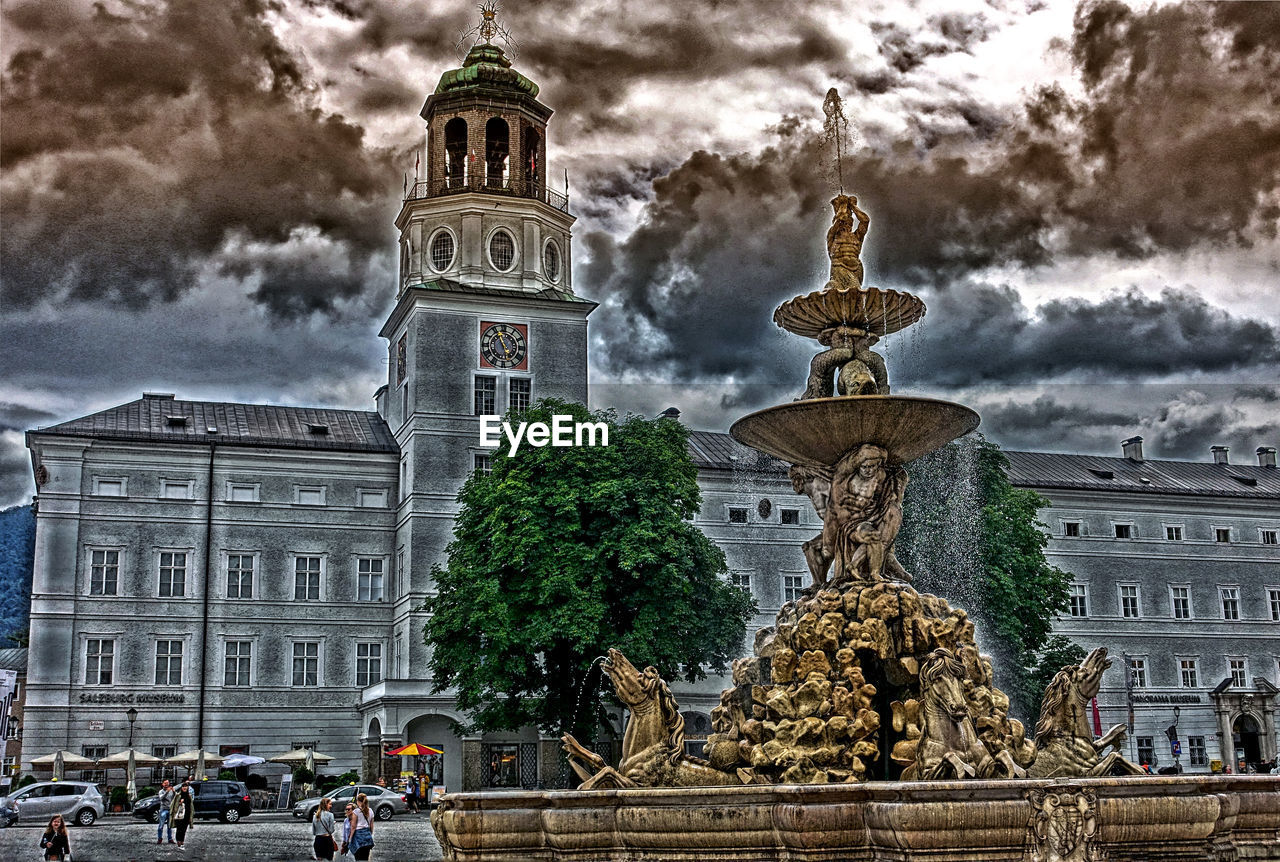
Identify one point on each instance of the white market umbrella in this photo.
(60, 760)
(131, 759)
(198, 759)
(300, 756)
(310, 763)
(235, 761)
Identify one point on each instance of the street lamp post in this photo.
(132, 715)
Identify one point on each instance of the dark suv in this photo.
(226, 800)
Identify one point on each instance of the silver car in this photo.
(383, 802)
(78, 802)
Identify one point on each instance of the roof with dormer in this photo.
(163, 419)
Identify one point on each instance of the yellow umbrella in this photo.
(416, 749)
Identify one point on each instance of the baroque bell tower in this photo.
(485, 320)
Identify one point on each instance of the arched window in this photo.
(497, 146)
(532, 168)
(455, 152)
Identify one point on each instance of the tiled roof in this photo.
(1095, 473)
(13, 658)
(716, 450)
(157, 419)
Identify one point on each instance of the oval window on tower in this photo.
(551, 261)
(502, 251)
(442, 249)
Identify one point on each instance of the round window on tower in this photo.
(551, 261)
(442, 249)
(502, 251)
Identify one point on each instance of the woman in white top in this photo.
(361, 820)
(322, 826)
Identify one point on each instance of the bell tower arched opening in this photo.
(497, 149)
(455, 152)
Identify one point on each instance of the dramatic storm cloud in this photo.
(199, 198)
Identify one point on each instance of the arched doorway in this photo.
(1247, 737)
(443, 769)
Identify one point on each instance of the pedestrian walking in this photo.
(322, 828)
(411, 794)
(162, 819)
(184, 811)
(55, 843)
(361, 819)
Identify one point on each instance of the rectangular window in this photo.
(368, 664)
(104, 573)
(1138, 672)
(93, 752)
(1230, 602)
(737, 516)
(308, 495)
(1124, 531)
(371, 499)
(1071, 529)
(239, 656)
(1196, 754)
(306, 664)
(240, 576)
(369, 579)
(1239, 669)
(173, 574)
(1273, 602)
(99, 661)
(175, 490)
(242, 492)
(486, 396)
(789, 516)
(168, 662)
(741, 579)
(1146, 750)
(1187, 668)
(1173, 533)
(306, 579)
(483, 464)
(1180, 602)
(1079, 600)
(159, 773)
(1129, 605)
(1269, 537)
(109, 487)
(401, 581)
(1221, 534)
(791, 587)
(520, 393)
(10, 766)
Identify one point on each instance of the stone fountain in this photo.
(866, 725)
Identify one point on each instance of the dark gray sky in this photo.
(198, 197)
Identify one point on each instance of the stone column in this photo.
(370, 757)
(472, 764)
(549, 775)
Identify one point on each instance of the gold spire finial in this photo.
(484, 32)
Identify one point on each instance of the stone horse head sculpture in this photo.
(1064, 741)
(653, 742)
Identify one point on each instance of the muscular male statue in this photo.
(862, 371)
(864, 512)
(844, 243)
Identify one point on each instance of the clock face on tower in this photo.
(504, 345)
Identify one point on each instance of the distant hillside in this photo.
(17, 557)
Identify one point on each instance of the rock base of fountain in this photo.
(1137, 819)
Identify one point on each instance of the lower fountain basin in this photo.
(1147, 818)
(818, 431)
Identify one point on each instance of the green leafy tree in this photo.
(561, 553)
(970, 536)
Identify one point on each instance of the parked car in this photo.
(383, 801)
(78, 802)
(226, 800)
(8, 813)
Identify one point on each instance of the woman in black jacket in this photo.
(55, 843)
(184, 812)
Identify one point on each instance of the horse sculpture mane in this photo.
(655, 686)
(939, 663)
(1055, 696)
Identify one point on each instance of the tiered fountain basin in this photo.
(819, 431)
(877, 310)
(1138, 819)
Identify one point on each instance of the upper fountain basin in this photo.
(818, 431)
(873, 309)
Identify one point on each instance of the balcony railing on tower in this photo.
(478, 183)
